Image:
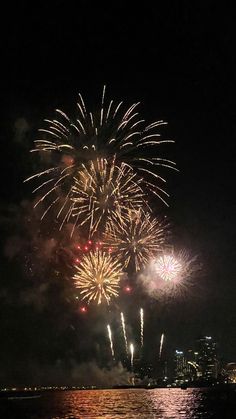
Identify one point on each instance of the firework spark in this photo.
(111, 341)
(131, 355)
(107, 133)
(161, 344)
(168, 267)
(137, 239)
(141, 326)
(97, 277)
(124, 331)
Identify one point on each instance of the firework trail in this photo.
(109, 133)
(141, 326)
(131, 355)
(161, 345)
(137, 239)
(111, 342)
(97, 277)
(124, 331)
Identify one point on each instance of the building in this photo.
(181, 368)
(207, 358)
(230, 372)
(193, 367)
(145, 370)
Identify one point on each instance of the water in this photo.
(128, 403)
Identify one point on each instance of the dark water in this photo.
(133, 403)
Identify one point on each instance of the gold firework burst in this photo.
(111, 132)
(98, 277)
(103, 190)
(137, 239)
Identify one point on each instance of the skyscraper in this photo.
(230, 372)
(180, 367)
(194, 369)
(207, 358)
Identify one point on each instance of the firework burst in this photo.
(104, 190)
(97, 277)
(177, 267)
(172, 275)
(168, 267)
(137, 239)
(109, 133)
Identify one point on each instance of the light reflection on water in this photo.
(128, 403)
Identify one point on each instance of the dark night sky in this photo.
(179, 60)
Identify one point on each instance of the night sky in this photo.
(179, 61)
